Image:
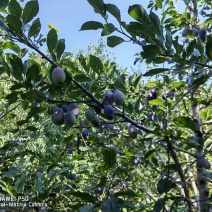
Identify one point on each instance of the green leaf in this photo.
(17, 66)
(177, 85)
(82, 78)
(38, 185)
(84, 196)
(31, 128)
(129, 193)
(139, 13)
(33, 73)
(156, 22)
(112, 205)
(159, 204)
(113, 41)
(60, 48)
(3, 4)
(199, 45)
(11, 45)
(86, 208)
(35, 28)
(209, 48)
(14, 24)
(186, 122)
(96, 64)
(91, 25)
(164, 185)
(31, 9)
(201, 80)
(19, 184)
(15, 8)
(168, 38)
(3, 26)
(159, 4)
(155, 71)
(156, 102)
(6, 66)
(151, 50)
(178, 47)
(108, 29)
(22, 122)
(114, 10)
(148, 153)
(82, 61)
(109, 156)
(137, 80)
(208, 175)
(190, 47)
(99, 6)
(52, 40)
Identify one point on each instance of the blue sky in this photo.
(69, 16)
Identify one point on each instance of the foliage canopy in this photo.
(90, 136)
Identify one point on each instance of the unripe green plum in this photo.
(90, 114)
(108, 112)
(58, 116)
(132, 131)
(70, 118)
(58, 76)
(119, 97)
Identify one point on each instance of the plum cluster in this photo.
(68, 114)
(65, 115)
(192, 31)
(153, 95)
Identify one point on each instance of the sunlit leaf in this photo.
(91, 25)
(114, 10)
(30, 11)
(113, 41)
(186, 122)
(52, 40)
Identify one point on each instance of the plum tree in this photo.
(58, 76)
(167, 136)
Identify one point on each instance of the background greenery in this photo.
(108, 170)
